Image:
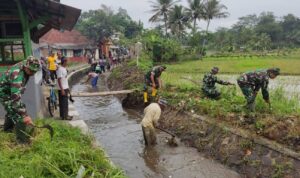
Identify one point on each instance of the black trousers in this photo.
(63, 104)
(53, 75)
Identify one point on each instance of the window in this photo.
(77, 53)
(64, 52)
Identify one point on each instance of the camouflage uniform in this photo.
(209, 89)
(12, 86)
(251, 82)
(157, 73)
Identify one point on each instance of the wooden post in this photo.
(105, 93)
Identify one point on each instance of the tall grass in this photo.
(288, 65)
(61, 157)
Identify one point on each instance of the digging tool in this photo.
(172, 141)
(191, 80)
(46, 126)
(173, 135)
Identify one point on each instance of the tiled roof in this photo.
(65, 37)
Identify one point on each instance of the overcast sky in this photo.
(139, 9)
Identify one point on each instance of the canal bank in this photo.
(249, 154)
(119, 134)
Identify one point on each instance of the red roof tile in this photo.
(66, 37)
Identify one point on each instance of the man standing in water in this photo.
(251, 82)
(150, 121)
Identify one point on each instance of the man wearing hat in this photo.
(152, 78)
(12, 86)
(251, 82)
(209, 81)
(150, 121)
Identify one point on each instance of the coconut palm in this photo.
(213, 9)
(160, 8)
(195, 11)
(178, 21)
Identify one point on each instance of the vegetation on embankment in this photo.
(228, 133)
(284, 115)
(61, 157)
(186, 95)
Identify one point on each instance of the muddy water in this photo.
(119, 133)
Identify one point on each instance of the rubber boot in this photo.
(154, 92)
(8, 124)
(145, 97)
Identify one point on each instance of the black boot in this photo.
(8, 124)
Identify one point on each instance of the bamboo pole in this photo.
(105, 93)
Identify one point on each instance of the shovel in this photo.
(172, 141)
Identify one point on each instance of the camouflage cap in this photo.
(32, 63)
(215, 69)
(275, 71)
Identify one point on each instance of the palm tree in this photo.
(195, 11)
(160, 8)
(213, 9)
(178, 21)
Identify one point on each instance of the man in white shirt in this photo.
(150, 121)
(63, 89)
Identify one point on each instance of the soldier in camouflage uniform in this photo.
(12, 86)
(209, 81)
(251, 82)
(152, 78)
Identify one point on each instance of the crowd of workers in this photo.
(13, 82)
(250, 83)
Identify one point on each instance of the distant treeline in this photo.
(262, 32)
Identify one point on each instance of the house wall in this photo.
(70, 53)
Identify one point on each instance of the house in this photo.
(71, 44)
(22, 24)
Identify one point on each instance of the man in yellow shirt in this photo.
(150, 121)
(52, 66)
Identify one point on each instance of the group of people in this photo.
(105, 63)
(55, 67)
(250, 83)
(13, 84)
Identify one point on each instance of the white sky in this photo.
(139, 9)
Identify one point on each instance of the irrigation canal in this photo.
(119, 133)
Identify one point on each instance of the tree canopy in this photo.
(101, 23)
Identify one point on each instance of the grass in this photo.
(289, 64)
(284, 115)
(184, 94)
(60, 158)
